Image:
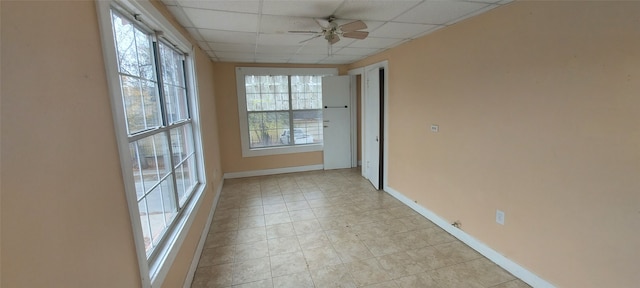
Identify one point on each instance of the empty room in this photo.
(328, 143)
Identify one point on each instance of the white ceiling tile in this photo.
(272, 59)
(230, 47)
(170, 2)
(235, 55)
(281, 50)
(320, 41)
(439, 12)
(195, 34)
(379, 43)
(282, 24)
(401, 30)
(244, 6)
(281, 39)
(228, 36)
(311, 59)
(229, 21)
(313, 50)
(182, 18)
(374, 10)
(204, 45)
(357, 51)
(474, 13)
(309, 8)
(340, 59)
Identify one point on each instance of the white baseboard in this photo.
(513, 268)
(272, 171)
(196, 257)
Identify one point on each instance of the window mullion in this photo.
(291, 131)
(165, 119)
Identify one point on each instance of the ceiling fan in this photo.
(331, 31)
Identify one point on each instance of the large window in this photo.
(151, 79)
(280, 109)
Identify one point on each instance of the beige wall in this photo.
(227, 101)
(65, 219)
(538, 109)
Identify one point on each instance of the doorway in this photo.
(373, 124)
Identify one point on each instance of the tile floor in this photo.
(332, 229)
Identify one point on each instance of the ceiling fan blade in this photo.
(307, 40)
(353, 26)
(324, 23)
(305, 32)
(356, 34)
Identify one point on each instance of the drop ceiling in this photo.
(256, 31)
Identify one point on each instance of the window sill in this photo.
(281, 150)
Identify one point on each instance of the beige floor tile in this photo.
(387, 284)
(457, 252)
(280, 230)
(332, 277)
(301, 215)
(277, 218)
(283, 245)
(420, 280)
(487, 272)
(313, 240)
(429, 258)
(251, 222)
(217, 255)
(275, 208)
(213, 276)
(350, 251)
(253, 250)
(400, 264)
(512, 284)
(332, 229)
(220, 239)
(251, 235)
(368, 272)
(321, 256)
(455, 276)
(251, 271)
(266, 283)
(306, 226)
(298, 280)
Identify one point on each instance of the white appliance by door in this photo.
(337, 122)
(371, 137)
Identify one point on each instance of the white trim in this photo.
(203, 238)
(502, 261)
(273, 171)
(103, 9)
(242, 111)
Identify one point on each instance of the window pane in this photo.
(268, 128)
(149, 162)
(140, 99)
(173, 78)
(146, 228)
(307, 126)
(306, 92)
(186, 179)
(181, 143)
(133, 48)
(267, 93)
(161, 208)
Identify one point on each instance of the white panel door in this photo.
(371, 137)
(337, 122)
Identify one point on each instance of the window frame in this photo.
(153, 269)
(241, 72)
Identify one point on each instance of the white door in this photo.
(371, 137)
(337, 122)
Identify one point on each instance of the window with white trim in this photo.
(280, 109)
(159, 141)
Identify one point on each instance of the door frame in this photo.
(362, 71)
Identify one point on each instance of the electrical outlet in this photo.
(500, 217)
(435, 128)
